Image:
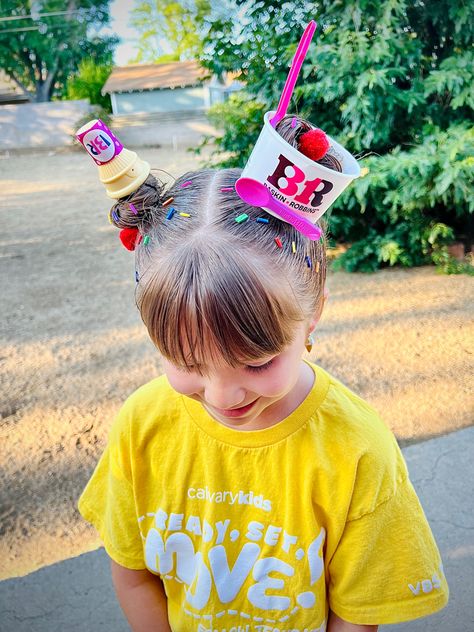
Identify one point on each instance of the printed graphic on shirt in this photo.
(427, 585)
(251, 576)
(241, 497)
(258, 628)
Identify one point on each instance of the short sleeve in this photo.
(387, 567)
(108, 501)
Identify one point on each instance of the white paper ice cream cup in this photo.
(303, 185)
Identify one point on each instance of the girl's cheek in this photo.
(181, 382)
(272, 384)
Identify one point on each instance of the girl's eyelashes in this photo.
(260, 367)
(252, 369)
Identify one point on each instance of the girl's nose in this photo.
(223, 394)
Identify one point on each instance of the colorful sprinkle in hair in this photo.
(185, 215)
(110, 217)
(308, 262)
(293, 122)
(132, 208)
(241, 218)
(115, 216)
(168, 201)
(262, 220)
(146, 240)
(317, 266)
(293, 247)
(278, 242)
(186, 184)
(171, 212)
(227, 189)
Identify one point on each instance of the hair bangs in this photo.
(208, 306)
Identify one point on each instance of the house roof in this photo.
(176, 74)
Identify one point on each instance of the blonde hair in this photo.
(211, 288)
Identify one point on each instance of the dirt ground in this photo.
(73, 347)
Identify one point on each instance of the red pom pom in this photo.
(128, 237)
(314, 144)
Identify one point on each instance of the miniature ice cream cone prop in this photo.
(303, 185)
(120, 170)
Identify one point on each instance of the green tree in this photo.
(393, 82)
(167, 25)
(43, 42)
(88, 82)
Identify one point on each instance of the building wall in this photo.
(167, 100)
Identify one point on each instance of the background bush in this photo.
(393, 82)
(88, 82)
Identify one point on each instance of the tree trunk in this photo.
(44, 88)
(21, 85)
(42, 92)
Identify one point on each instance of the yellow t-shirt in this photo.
(264, 530)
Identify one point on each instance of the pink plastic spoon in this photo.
(256, 194)
(298, 59)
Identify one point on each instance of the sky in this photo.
(120, 17)
(120, 11)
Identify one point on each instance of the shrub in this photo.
(391, 81)
(88, 83)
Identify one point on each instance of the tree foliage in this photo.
(393, 82)
(169, 30)
(40, 51)
(88, 82)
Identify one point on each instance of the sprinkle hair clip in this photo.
(289, 182)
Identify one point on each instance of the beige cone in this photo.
(124, 174)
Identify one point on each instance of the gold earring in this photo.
(310, 342)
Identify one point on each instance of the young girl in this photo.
(247, 489)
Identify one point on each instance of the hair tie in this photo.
(129, 237)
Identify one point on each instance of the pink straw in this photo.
(296, 64)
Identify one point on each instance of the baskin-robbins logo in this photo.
(293, 188)
(99, 142)
(304, 186)
(240, 497)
